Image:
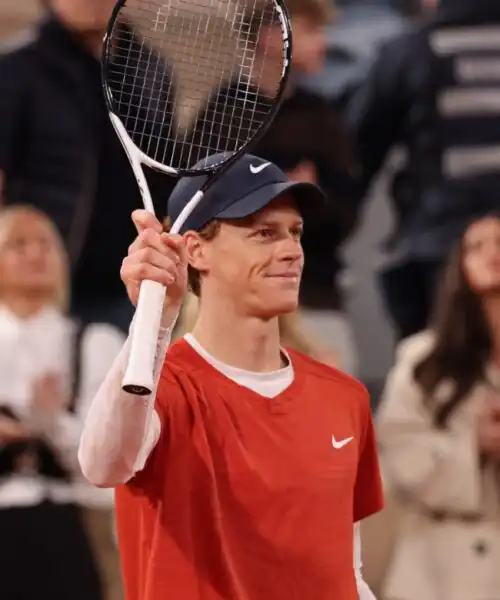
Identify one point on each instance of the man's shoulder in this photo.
(326, 375)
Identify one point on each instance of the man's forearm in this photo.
(121, 429)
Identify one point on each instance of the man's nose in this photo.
(291, 250)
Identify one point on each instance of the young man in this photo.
(242, 476)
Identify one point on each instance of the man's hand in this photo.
(11, 431)
(155, 256)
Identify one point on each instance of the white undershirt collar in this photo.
(269, 384)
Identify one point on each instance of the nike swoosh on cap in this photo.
(258, 168)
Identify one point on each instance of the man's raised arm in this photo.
(121, 429)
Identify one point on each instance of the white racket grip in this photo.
(139, 374)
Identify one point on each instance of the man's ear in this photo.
(197, 251)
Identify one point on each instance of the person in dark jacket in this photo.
(435, 91)
(59, 152)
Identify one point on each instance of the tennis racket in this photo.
(184, 80)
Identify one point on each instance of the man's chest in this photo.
(288, 446)
(285, 450)
(268, 471)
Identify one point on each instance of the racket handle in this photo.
(139, 378)
(139, 374)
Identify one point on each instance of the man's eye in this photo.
(264, 233)
(297, 233)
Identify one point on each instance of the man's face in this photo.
(257, 262)
(309, 49)
(84, 16)
(309, 45)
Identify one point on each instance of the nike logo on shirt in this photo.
(340, 443)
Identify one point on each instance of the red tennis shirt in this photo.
(246, 497)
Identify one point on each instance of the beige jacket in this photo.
(448, 547)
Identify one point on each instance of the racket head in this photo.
(189, 79)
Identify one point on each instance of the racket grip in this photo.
(139, 374)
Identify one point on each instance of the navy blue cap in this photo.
(249, 185)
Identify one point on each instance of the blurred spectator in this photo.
(352, 39)
(309, 142)
(435, 91)
(50, 368)
(59, 151)
(439, 429)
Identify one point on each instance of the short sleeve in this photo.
(368, 492)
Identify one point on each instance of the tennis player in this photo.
(241, 478)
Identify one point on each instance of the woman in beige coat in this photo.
(439, 431)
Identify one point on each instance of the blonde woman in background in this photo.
(294, 333)
(50, 368)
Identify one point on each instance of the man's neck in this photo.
(90, 40)
(243, 342)
(93, 43)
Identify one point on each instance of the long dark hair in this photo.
(463, 341)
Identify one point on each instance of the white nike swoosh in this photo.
(341, 443)
(257, 169)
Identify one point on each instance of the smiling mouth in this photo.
(287, 276)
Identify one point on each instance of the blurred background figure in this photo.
(439, 430)
(309, 142)
(50, 368)
(59, 151)
(436, 91)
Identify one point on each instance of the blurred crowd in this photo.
(369, 77)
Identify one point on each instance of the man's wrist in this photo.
(170, 316)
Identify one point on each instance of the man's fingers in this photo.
(143, 219)
(135, 265)
(167, 259)
(148, 238)
(144, 271)
(176, 243)
(152, 250)
(165, 244)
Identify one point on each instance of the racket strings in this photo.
(189, 78)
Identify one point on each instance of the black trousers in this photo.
(45, 553)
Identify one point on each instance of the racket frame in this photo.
(138, 378)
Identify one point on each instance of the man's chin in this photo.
(283, 307)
